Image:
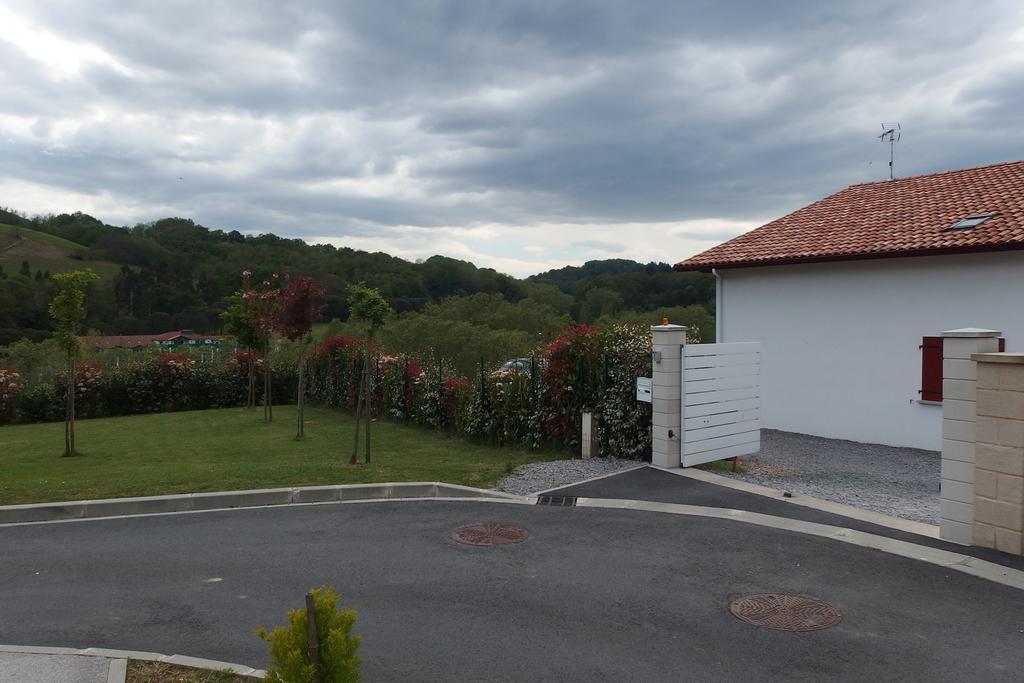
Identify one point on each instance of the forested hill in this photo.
(174, 273)
(607, 287)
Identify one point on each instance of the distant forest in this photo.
(174, 274)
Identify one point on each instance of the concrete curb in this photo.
(898, 523)
(199, 502)
(119, 659)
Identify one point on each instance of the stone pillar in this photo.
(958, 423)
(667, 343)
(999, 453)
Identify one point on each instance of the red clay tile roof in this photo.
(129, 341)
(134, 341)
(903, 217)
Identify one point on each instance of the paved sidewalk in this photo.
(49, 664)
(22, 667)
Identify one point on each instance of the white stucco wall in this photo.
(840, 353)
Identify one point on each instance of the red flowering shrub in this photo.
(87, 378)
(242, 358)
(569, 381)
(341, 344)
(176, 365)
(335, 367)
(454, 391)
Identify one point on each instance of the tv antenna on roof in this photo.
(893, 132)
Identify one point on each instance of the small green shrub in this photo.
(41, 403)
(338, 662)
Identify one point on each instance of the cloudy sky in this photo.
(518, 135)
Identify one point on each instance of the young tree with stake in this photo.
(238, 325)
(369, 307)
(262, 309)
(68, 310)
(300, 307)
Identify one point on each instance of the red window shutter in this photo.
(931, 369)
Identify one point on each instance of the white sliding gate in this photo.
(721, 401)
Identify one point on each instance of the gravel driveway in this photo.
(900, 482)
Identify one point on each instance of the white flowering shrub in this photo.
(513, 407)
(480, 418)
(625, 423)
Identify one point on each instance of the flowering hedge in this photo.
(584, 368)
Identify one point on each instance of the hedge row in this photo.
(537, 403)
(148, 384)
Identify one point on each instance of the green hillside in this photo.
(46, 252)
(10, 233)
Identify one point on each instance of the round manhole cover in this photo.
(785, 612)
(490, 533)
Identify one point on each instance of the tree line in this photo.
(175, 274)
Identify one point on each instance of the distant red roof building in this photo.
(905, 217)
(135, 341)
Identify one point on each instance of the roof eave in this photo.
(684, 266)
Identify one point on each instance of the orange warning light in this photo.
(664, 321)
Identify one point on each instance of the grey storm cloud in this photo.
(335, 119)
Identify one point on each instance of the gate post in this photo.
(667, 343)
(959, 396)
(999, 453)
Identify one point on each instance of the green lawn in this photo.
(221, 450)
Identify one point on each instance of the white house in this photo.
(849, 294)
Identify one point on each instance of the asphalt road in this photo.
(592, 595)
(664, 487)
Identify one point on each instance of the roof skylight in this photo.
(971, 221)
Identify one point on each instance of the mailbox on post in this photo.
(643, 389)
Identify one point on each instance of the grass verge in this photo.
(230, 449)
(724, 466)
(159, 672)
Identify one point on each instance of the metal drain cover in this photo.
(785, 612)
(559, 501)
(490, 533)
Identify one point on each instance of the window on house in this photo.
(931, 367)
(971, 221)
